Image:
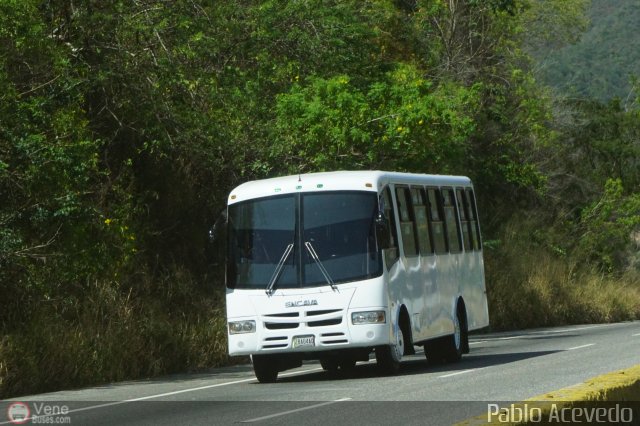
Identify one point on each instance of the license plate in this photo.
(299, 341)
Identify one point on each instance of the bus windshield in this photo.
(337, 227)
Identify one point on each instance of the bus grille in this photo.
(323, 323)
(275, 342)
(281, 325)
(333, 338)
(324, 339)
(292, 320)
(334, 317)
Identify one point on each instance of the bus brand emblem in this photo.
(298, 303)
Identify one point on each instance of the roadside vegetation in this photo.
(123, 125)
(530, 286)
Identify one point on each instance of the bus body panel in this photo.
(431, 286)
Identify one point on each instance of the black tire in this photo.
(329, 364)
(389, 357)
(459, 339)
(347, 365)
(435, 351)
(265, 368)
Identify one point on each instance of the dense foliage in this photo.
(124, 124)
(604, 60)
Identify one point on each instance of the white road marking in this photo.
(160, 395)
(294, 373)
(582, 346)
(458, 373)
(635, 335)
(534, 333)
(217, 385)
(520, 336)
(576, 329)
(297, 410)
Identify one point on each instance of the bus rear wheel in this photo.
(434, 351)
(265, 368)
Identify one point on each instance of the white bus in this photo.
(336, 266)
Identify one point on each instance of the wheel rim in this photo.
(457, 335)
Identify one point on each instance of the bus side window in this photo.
(391, 254)
(464, 220)
(451, 220)
(407, 222)
(435, 217)
(473, 218)
(419, 202)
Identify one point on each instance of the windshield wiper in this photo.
(278, 270)
(315, 257)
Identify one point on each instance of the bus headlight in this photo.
(239, 327)
(369, 317)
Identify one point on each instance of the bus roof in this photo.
(371, 180)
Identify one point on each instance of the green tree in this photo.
(552, 24)
(609, 228)
(400, 122)
(50, 178)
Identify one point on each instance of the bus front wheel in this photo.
(459, 339)
(329, 364)
(265, 368)
(389, 357)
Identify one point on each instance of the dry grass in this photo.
(529, 286)
(110, 335)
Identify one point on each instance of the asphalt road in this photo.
(502, 367)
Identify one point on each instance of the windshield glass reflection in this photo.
(339, 225)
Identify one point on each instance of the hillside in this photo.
(601, 63)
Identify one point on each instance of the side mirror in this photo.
(218, 228)
(383, 235)
(216, 247)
